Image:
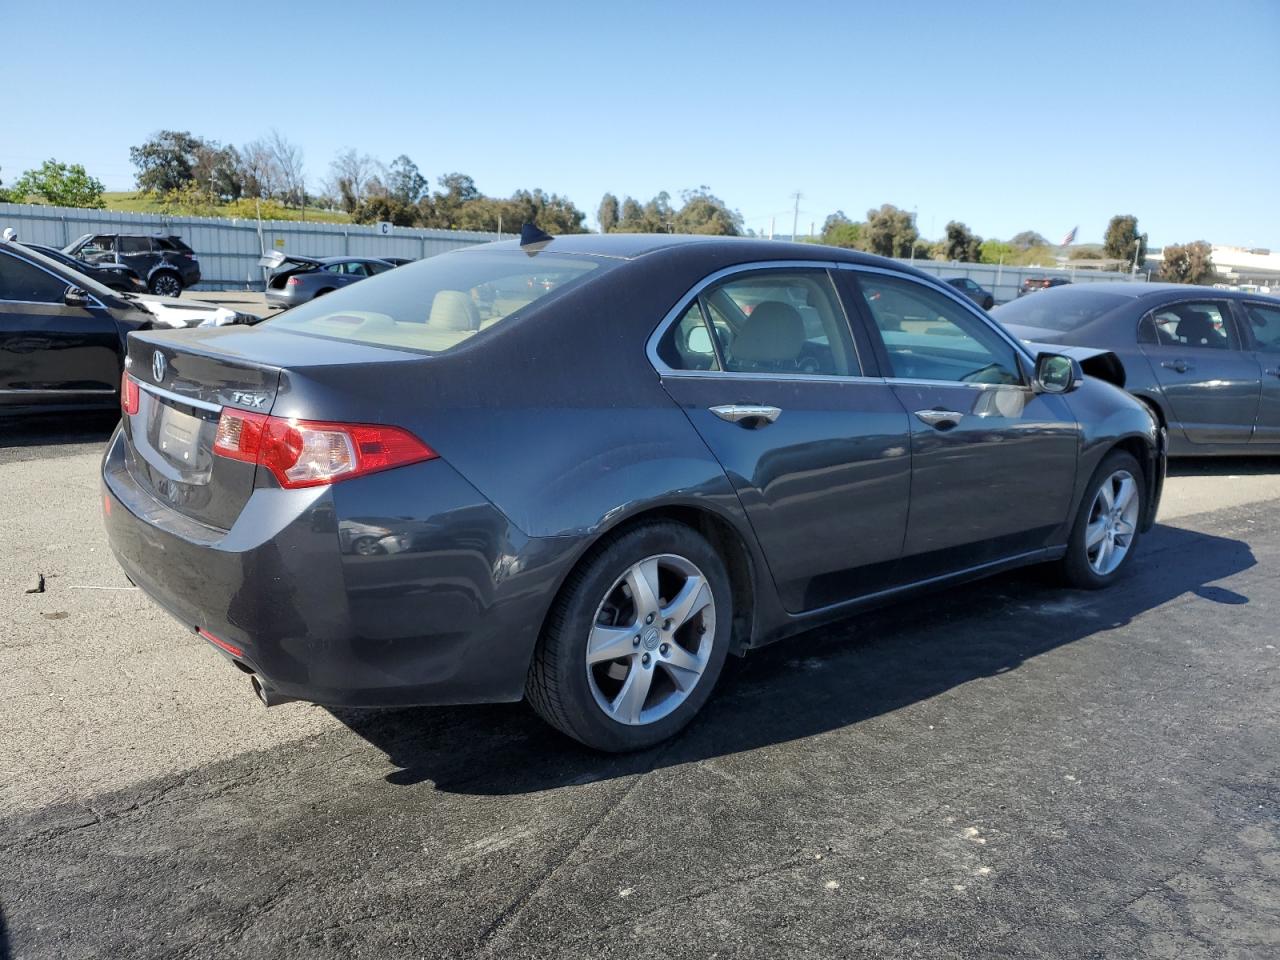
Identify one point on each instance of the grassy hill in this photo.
(135, 202)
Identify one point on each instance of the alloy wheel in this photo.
(651, 640)
(166, 285)
(1113, 522)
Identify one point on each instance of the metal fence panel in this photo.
(1004, 282)
(229, 249)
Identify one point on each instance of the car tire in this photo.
(670, 649)
(1106, 531)
(988, 303)
(165, 283)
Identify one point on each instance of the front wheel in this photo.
(1106, 528)
(636, 641)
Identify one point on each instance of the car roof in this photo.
(631, 246)
(1139, 289)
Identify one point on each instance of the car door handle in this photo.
(1181, 366)
(939, 419)
(747, 413)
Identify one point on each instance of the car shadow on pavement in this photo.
(825, 679)
(1224, 466)
(46, 429)
(4, 939)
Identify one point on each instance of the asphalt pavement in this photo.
(1002, 770)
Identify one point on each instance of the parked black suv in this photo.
(165, 263)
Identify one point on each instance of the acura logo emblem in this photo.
(157, 366)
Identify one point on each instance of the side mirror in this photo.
(1057, 373)
(75, 297)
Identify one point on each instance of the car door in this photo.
(1261, 323)
(1210, 383)
(816, 449)
(993, 463)
(52, 351)
(136, 253)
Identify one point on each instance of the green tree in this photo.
(1123, 242)
(8, 196)
(405, 182)
(1028, 239)
(1188, 263)
(890, 231)
(167, 161)
(994, 251)
(962, 244)
(607, 213)
(384, 207)
(705, 213)
(632, 216)
(62, 184)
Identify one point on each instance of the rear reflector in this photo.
(308, 453)
(129, 394)
(231, 648)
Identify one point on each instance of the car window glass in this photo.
(356, 269)
(687, 343)
(1264, 324)
(376, 268)
(23, 281)
(332, 268)
(134, 245)
(437, 303)
(780, 322)
(929, 336)
(1203, 325)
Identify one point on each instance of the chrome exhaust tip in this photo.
(268, 695)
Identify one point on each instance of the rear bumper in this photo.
(441, 608)
(278, 298)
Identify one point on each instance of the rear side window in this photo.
(1264, 324)
(1204, 325)
(435, 304)
(133, 245)
(25, 282)
(784, 322)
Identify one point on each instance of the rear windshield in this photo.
(437, 303)
(1063, 311)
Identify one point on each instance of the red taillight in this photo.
(308, 453)
(231, 648)
(130, 395)
(292, 282)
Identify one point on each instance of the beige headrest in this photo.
(453, 310)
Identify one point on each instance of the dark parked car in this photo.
(62, 335)
(1206, 361)
(297, 279)
(117, 276)
(1032, 284)
(978, 294)
(581, 471)
(165, 263)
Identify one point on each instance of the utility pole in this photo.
(795, 217)
(771, 228)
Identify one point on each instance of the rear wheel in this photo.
(636, 641)
(165, 284)
(1106, 527)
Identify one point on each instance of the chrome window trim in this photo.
(675, 313)
(958, 298)
(179, 398)
(94, 301)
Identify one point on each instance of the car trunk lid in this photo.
(183, 386)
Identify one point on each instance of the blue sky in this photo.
(1005, 116)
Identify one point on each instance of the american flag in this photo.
(1070, 238)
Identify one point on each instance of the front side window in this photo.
(1204, 324)
(25, 282)
(1264, 324)
(784, 322)
(928, 336)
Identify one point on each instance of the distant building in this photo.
(1241, 266)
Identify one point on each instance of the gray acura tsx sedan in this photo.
(584, 470)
